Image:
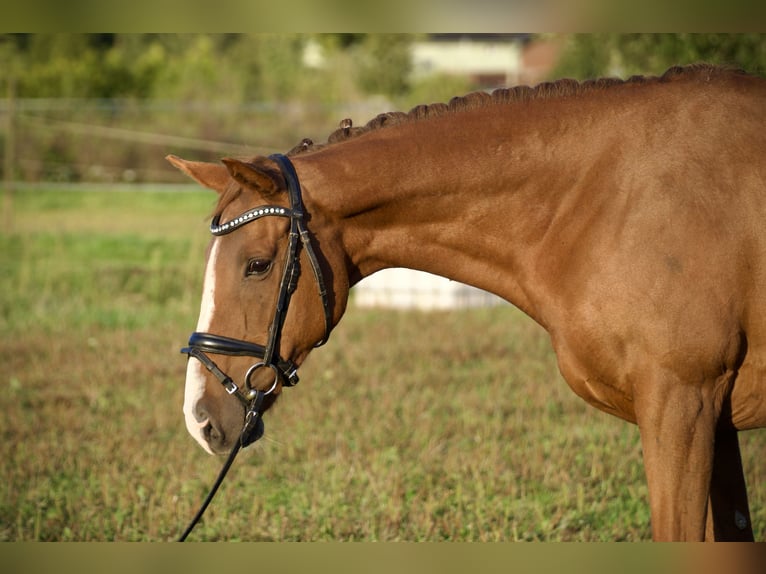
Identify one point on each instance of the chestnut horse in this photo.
(628, 218)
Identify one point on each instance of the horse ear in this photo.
(257, 175)
(211, 175)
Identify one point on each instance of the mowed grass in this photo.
(406, 425)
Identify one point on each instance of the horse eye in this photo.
(258, 266)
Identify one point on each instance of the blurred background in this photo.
(106, 108)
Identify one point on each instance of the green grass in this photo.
(101, 259)
(459, 427)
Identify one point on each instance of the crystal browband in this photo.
(217, 228)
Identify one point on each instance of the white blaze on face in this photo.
(195, 372)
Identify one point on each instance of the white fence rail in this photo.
(408, 289)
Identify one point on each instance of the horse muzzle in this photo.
(251, 397)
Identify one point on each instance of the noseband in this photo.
(202, 344)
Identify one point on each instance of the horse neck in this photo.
(469, 196)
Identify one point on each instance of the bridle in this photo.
(200, 344)
(268, 357)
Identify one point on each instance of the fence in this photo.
(409, 289)
(86, 140)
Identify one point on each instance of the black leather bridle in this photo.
(202, 344)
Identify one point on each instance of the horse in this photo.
(626, 216)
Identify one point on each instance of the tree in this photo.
(79, 66)
(384, 64)
(591, 55)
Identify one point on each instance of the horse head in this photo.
(259, 316)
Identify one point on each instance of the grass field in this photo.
(406, 426)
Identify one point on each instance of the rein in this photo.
(202, 344)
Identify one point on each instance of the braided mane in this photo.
(545, 90)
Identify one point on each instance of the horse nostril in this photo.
(209, 429)
(210, 433)
(203, 423)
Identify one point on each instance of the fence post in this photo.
(9, 160)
